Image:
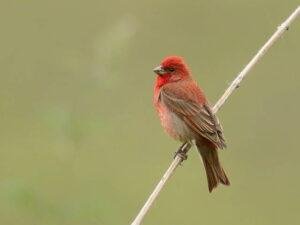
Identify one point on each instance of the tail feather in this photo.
(214, 171)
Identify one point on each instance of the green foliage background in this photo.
(80, 142)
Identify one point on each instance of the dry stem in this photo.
(235, 84)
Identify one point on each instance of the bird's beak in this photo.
(159, 70)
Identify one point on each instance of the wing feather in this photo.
(198, 117)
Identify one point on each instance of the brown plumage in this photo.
(186, 115)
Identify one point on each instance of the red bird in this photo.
(186, 115)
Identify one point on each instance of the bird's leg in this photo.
(182, 151)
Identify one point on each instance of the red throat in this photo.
(162, 80)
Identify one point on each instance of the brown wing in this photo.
(199, 118)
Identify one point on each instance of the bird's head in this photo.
(171, 69)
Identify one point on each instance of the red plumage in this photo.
(186, 115)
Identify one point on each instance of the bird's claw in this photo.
(181, 154)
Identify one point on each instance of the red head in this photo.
(171, 69)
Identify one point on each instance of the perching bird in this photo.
(186, 115)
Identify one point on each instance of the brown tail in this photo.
(214, 171)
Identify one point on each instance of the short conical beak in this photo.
(159, 70)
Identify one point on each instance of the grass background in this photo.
(80, 142)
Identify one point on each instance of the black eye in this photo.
(171, 69)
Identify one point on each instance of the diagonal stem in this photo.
(234, 85)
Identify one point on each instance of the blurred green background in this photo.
(80, 142)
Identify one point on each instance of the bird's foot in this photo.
(181, 153)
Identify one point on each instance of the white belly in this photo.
(174, 125)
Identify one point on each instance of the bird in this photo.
(186, 115)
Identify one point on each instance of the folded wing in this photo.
(198, 116)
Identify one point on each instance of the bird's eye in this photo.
(171, 69)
